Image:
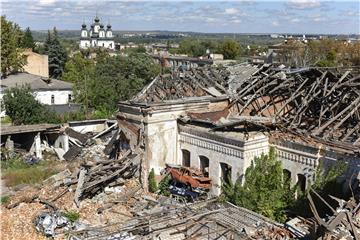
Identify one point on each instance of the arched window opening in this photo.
(185, 158)
(287, 178)
(204, 165)
(301, 182)
(225, 172)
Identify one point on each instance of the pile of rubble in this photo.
(99, 171)
(201, 220)
(344, 223)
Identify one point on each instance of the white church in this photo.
(97, 36)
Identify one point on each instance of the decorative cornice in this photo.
(211, 146)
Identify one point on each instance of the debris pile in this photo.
(94, 178)
(104, 163)
(344, 223)
(47, 223)
(202, 220)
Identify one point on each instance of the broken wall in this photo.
(236, 154)
(97, 125)
(303, 159)
(160, 130)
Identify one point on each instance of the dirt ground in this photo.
(17, 223)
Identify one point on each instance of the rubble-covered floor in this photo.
(17, 223)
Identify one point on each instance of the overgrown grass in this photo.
(16, 171)
(72, 216)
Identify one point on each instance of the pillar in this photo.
(66, 142)
(37, 141)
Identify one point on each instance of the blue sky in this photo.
(254, 16)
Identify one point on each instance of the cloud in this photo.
(275, 23)
(210, 20)
(352, 13)
(231, 11)
(47, 2)
(304, 4)
(204, 16)
(318, 18)
(236, 21)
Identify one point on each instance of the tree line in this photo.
(230, 48)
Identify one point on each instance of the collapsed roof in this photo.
(207, 81)
(323, 103)
(198, 82)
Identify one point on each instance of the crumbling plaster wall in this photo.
(304, 159)
(161, 133)
(160, 129)
(239, 158)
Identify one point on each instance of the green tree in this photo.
(27, 40)
(22, 107)
(329, 61)
(12, 59)
(111, 79)
(57, 54)
(230, 49)
(264, 190)
(192, 47)
(152, 181)
(80, 71)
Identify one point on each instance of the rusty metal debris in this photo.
(189, 176)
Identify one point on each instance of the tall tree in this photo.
(230, 49)
(264, 190)
(81, 71)
(27, 40)
(12, 59)
(57, 54)
(111, 79)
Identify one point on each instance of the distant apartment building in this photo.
(97, 36)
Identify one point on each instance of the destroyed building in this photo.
(199, 126)
(218, 119)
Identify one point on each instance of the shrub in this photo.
(4, 199)
(264, 190)
(164, 185)
(152, 181)
(22, 107)
(72, 216)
